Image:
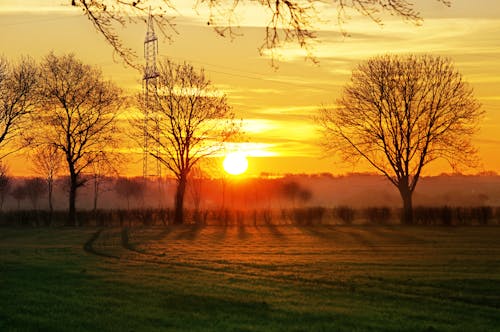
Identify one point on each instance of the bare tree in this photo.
(35, 188)
(129, 188)
(191, 122)
(400, 113)
(289, 20)
(18, 82)
(78, 116)
(102, 169)
(293, 191)
(5, 183)
(198, 176)
(47, 161)
(19, 193)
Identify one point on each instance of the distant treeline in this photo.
(305, 216)
(357, 190)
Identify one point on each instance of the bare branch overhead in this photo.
(288, 20)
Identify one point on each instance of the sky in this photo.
(277, 106)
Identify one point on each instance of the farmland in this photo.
(258, 278)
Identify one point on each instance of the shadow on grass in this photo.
(395, 233)
(274, 231)
(47, 298)
(88, 246)
(221, 233)
(325, 232)
(242, 233)
(359, 235)
(188, 232)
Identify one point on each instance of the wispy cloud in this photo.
(34, 6)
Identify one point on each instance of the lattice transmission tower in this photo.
(149, 86)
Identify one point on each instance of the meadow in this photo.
(250, 278)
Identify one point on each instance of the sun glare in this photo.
(235, 163)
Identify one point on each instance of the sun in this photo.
(235, 163)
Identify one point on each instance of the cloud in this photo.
(444, 36)
(35, 6)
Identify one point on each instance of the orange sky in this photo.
(277, 105)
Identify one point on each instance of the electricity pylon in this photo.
(149, 86)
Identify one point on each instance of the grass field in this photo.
(269, 278)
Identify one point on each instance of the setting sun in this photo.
(235, 163)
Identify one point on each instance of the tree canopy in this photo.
(191, 121)
(78, 115)
(400, 113)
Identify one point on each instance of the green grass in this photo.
(187, 278)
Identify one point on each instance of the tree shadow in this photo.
(325, 232)
(189, 232)
(358, 235)
(274, 231)
(242, 233)
(396, 234)
(221, 234)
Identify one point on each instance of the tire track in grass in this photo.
(236, 270)
(88, 246)
(125, 242)
(248, 270)
(226, 266)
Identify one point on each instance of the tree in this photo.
(78, 116)
(5, 183)
(129, 188)
(102, 168)
(399, 114)
(47, 161)
(289, 20)
(18, 83)
(292, 191)
(198, 176)
(19, 193)
(35, 188)
(191, 121)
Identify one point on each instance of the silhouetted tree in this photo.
(191, 121)
(305, 195)
(19, 193)
(195, 189)
(400, 113)
(289, 20)
(35, 188)
(101, 169)
(293, 191)
(5, 183)
(290, 191)
(129, 188)
(78, 116)
(47, 162)
(18, 82)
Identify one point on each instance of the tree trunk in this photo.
(51, 206)
(72, 200)
(96, 194)
(406, 196)
(179, 200)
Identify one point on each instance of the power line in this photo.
(251, 75)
